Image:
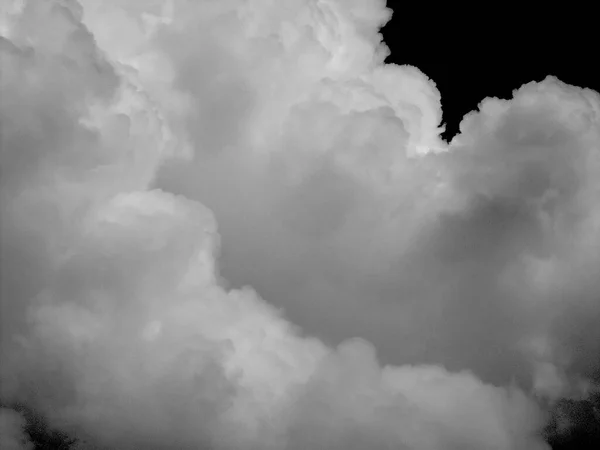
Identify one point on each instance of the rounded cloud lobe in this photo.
(191, 190)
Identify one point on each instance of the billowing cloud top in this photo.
(159, 158)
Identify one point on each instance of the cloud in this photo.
(204, 203)
(12, 436)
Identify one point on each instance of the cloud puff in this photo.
(159, 159)
(444, 252)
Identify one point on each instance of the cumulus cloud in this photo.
(205, 203)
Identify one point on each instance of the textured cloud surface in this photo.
(229, 225)
(12, 436)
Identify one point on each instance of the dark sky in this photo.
(469, 63)
(491, 58)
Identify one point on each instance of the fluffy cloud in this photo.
(160, 158)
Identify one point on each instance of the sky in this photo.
(269, 224)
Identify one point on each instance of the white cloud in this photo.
(158, 158)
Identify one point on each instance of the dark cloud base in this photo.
(585, 435)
